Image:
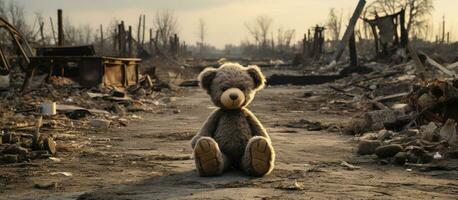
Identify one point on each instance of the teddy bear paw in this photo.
(261, 157)
(207, 157)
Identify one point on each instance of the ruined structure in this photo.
(385, 30)
(313, 47)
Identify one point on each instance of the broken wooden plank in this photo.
(419, 67)
(350, 28)
(393, 96)
(440, 67)
(452, 66)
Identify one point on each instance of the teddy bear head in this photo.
(232, 86)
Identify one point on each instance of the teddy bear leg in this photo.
(259, 157)
(208, 158)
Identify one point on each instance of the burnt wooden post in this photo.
(118, 38)
(144, 26)
(122, 40)
(443, 29)
(156, 41)
(139, 28)
(176, 41)
(102, 46)
(376, 42)
(349, 31)
(304, 45)
(42, 24)
(60, 28)
(150, 44)
(353, 52)
(404, 32)
(309, 43)
(129, 42)
(315, 43)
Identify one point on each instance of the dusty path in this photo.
(151, 160)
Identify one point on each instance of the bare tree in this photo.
(86, 34)
(43, 39)
(260, 29)
(202, 34)
(334, 24)
(16, 15)
(416, 10)
(284, 38)
(165, 23)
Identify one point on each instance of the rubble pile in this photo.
(38, 124)
(406, 120)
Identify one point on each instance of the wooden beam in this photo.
(440, 67)
(101, 40)
(419, 67)
(60, 28)
(129, 42)
(144, 27)
(350, 29)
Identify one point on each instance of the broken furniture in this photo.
(81, 64)
(90, 71)
(77, 62)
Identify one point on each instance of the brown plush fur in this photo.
(239, 137)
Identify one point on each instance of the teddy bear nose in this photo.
(233, 96)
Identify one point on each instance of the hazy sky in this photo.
(225, 19)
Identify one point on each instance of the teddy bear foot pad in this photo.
(260, 157)
(207, 158)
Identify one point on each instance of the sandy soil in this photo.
(151, 159)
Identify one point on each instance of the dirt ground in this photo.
(151, 159)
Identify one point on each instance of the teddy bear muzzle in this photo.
(233, 98)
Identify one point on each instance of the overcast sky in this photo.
(225, 19)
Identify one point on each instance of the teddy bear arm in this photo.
(208, 129)
(257, 128)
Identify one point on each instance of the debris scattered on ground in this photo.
(349, 166)
(39, 123)
(412, 124)
(290, 185)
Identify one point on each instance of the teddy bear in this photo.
(232, 137)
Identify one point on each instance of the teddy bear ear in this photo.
(206, 77)
(257, 76)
